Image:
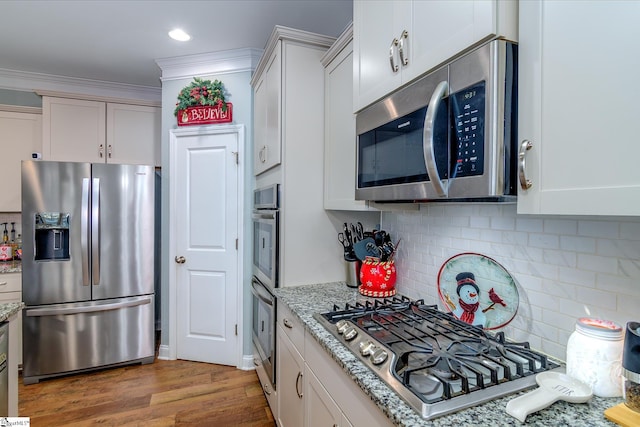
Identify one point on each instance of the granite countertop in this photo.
(10, 267)
(8, 309)
(305, 301)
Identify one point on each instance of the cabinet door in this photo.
(340, 135)
(73, 130)
(133, 134)
(320, 408)
(375, 26)
(577, 107)
(428, 32)
(289, 381)
(441, 29)
(268, 113)
(20, 135)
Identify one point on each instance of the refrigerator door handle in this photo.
(35, 312)
(84, 237)
(95, 232)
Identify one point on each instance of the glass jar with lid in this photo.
(594, 356)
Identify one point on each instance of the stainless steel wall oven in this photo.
(265, 275)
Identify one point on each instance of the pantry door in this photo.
(205, 218)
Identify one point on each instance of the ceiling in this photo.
(119, 40)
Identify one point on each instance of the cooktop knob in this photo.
(350, 333)
(342, 326)
(367, 348)
(379, 356)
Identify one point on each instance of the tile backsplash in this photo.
(565, 267)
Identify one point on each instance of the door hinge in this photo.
(236, 244)
(236, 329)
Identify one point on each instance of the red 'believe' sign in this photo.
(204, 115)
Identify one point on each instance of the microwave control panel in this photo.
(468, 110)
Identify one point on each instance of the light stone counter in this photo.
(305, 301)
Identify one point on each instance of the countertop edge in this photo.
(8, 309)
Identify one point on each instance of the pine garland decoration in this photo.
(201, 92)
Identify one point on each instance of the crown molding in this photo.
(20, 109)
(86, 97)
(292, 35)
(221, 62)
(34, 82)
(341, 42)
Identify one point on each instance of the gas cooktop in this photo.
(435, 362)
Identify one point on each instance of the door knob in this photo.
(180, 259)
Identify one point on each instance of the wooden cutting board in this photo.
(622, 415)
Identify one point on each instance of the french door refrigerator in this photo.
(87, 267)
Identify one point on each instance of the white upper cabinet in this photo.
(578, 80)
(396, 41)
(99, 132)
(133, 134)
(20, 136)
(340, 128)
(267, 110)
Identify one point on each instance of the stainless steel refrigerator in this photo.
(87, 266)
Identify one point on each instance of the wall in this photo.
(565, 267)
(240, 94)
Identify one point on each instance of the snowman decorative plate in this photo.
(478, 290)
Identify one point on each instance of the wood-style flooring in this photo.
(164, 393)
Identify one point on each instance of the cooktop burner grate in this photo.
(436, 362)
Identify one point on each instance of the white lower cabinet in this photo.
(313, 391)
(11, 291)
(321, 409)
(290, 377)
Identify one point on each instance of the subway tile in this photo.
(531, 225)
(542, 240)
(606, 229)
(597, 263)
(578, 244)
(576, 277)
(560, 226)
(561, 258)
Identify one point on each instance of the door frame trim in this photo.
(169, 351)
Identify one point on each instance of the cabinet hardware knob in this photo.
(109, 150)
(180, 259)
(101, 150)
(392, 59)
(262, 155)
(287, 323)
(525, 146)
(403, 59)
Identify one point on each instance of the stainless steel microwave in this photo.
(449, 136)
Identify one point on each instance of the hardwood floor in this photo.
(164, 393)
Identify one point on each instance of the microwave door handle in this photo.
(442, 90)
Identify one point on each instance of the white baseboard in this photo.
(247, 363)
(163, 352)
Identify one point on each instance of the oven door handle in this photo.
(265, 215)
(260, 292)
(441, 91)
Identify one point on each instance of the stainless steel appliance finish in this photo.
(263, 328)
(451, 135)
(266, 218)
(266, 231)
(88, 266)
(435, 362)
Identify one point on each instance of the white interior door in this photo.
(204, 222)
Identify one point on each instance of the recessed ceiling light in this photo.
(179, 35)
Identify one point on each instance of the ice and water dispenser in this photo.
(52, 236)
